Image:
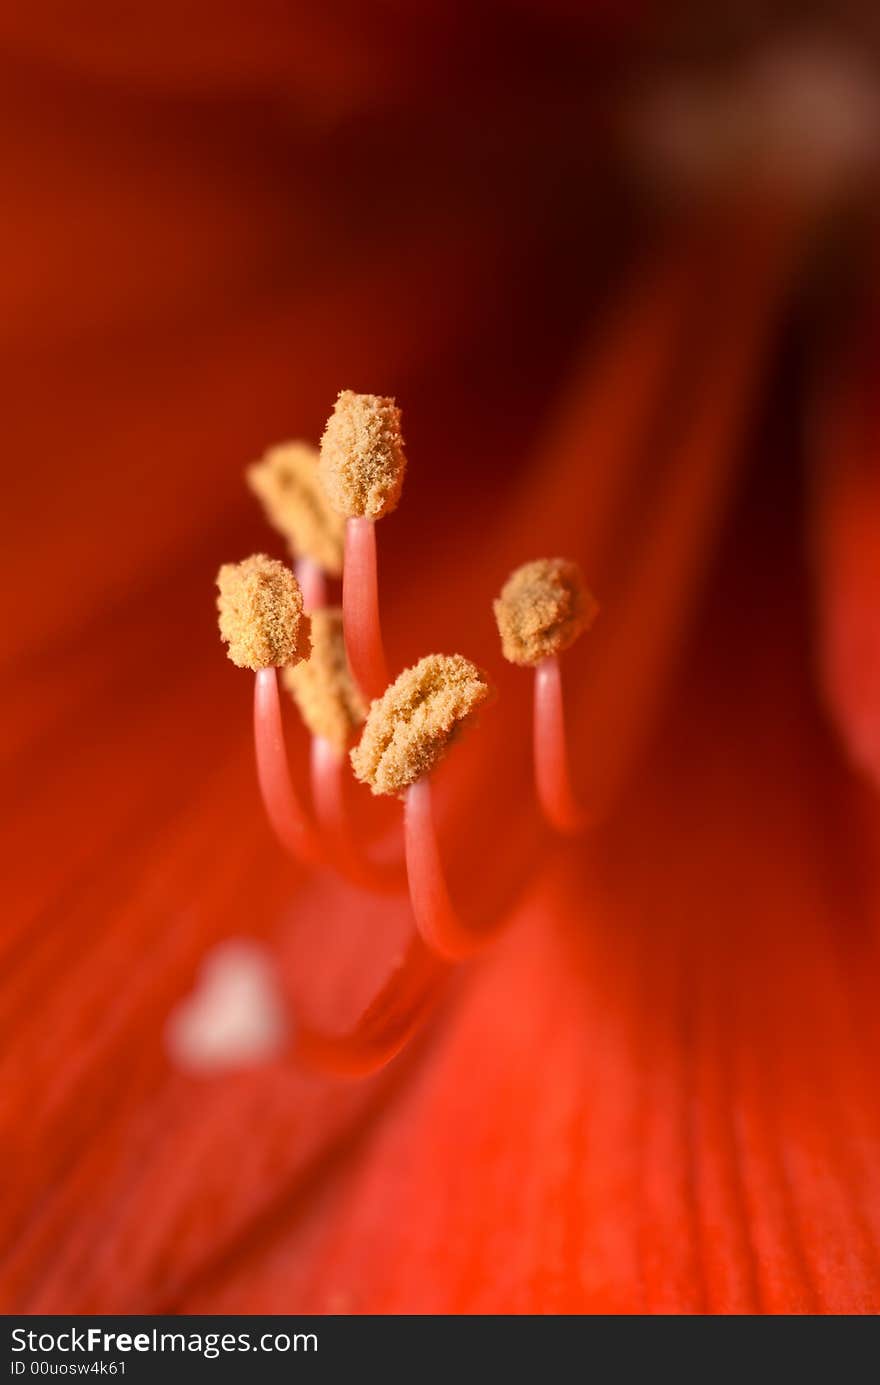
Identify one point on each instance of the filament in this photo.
(286, 814)
(556, 796)
(444, 931)
(312, 583)
(360, 609)
(385, 1026)
(330, 772)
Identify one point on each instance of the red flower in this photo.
(656, 1092)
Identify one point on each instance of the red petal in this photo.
(655, 1095)
(658, 1095)
(846, 533)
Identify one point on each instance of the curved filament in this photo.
(444, 931)
(328, 769)
(286, 814)
(552, 774)
(386, 1025)
(360, 609)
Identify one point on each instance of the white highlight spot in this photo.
(235, 1017)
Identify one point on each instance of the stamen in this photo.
(543, 608)
(261, 613)
(287, 483)
(261, 619)
(386, 1025)
(362, 467)
(407, 733)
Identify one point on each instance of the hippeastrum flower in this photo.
(615, 269)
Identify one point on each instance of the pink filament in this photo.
(329, 779)
(443, 930)
(360, 609)
(552, 777)
(386, 1025)
(312, 584)
(285, 812)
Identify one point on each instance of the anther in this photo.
(411, 726)
(261, 613)
(322, 687)
(286, 481)
(542, 609)
(362, 459)
(544, 606)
